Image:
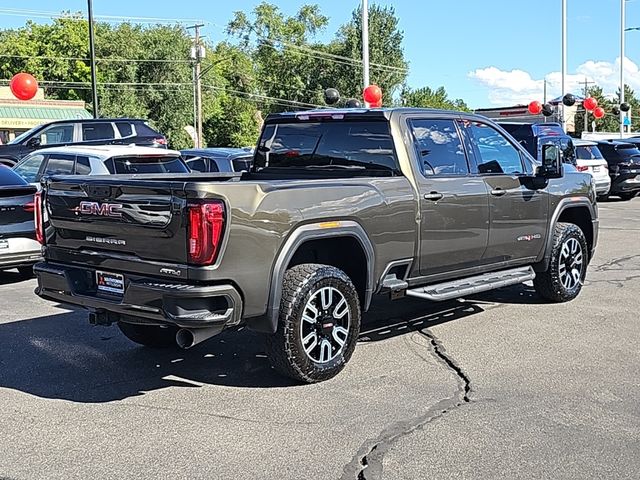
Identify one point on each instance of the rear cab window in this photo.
(125, 129)
(146, 164)
(353, 146)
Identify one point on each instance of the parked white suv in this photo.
(98, 160)
(589, 159)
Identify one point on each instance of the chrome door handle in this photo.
(498, 192)
(433, 196)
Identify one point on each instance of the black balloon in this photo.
(331, 96)
(547, 110)
(569, 100)
(353, 103)
(615, 111)
(625, 107)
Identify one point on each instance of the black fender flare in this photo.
(314, 231)
(563, 205)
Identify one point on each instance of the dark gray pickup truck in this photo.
(340, 205)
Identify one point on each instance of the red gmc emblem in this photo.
(100, 209)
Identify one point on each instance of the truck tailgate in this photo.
(134, 217)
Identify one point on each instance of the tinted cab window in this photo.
(353, 146)
(146, 164)
(59, 164)
(494, 153)
(440, 150)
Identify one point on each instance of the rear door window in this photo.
(588, 152)
(58, 164)
(97, 131)
(439, 148)
(147, 164)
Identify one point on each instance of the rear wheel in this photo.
(563, 279)
(26, 272)
(149, 335)
(318, 325)
(627, 196)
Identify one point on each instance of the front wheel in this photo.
(153, 336)
(563, 279)
(318, 325)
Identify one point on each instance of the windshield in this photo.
(23, 136)
(348, 145)
(629, 152)
(146, 164)
(588, 152)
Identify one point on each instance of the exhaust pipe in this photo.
(188, 337)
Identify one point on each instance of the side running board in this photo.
(472, 285)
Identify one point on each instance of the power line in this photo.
(20, 12)
(140, 60)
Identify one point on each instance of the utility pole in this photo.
(622, 29)
(586, 92)
(92, 55)
(365, 43)
(197, 54)
(564, 61)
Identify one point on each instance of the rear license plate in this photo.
(4, 244)
(110, 282)
(596, 169)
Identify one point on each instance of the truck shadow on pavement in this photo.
(62, 357)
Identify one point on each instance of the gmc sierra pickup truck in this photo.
(339, 205)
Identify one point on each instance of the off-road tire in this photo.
(627, 196)
(285, 347)
(152, 336)
(548, 284)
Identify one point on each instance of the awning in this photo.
(14, 116)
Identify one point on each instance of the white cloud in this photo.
(518, 87)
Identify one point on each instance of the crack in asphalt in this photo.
(615, 264)
(367, 463)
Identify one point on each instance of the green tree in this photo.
(388, 66)
(425, 97)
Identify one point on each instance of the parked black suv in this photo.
(533, 136)
(623, 159)
(98, 131)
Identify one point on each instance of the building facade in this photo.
(18, 116)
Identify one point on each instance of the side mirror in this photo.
(33, 142)
(551, 162)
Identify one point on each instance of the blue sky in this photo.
(488, 52)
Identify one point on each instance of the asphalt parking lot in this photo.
(496, 386)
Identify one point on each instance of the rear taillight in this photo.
(582, 168)
(160, 141)
(29, 207)
(206, 223)
(38, 209)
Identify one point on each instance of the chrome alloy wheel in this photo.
(571, 264)
(324, 328)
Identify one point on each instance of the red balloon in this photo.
(535, 108)
(598, 112)
(377, 104)
(372, 94)
(23, 86)
(590, 103)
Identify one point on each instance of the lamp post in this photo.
(365, 43)
(564, 62)
(92, 55)
(622, 30)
